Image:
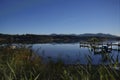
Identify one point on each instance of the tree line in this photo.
(33, 38)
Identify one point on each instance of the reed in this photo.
(22, 63)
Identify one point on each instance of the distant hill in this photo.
(98, 35)
(35, 38)
(87, 35)
(81, 35)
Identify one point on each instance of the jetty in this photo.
(103, 46)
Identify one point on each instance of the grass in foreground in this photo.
(23, 64)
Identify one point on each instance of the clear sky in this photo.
(59, 16)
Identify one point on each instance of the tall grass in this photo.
(23, 64)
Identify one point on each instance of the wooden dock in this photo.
(101, 45)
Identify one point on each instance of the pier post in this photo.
(80, 44)
(102, 47)
(118, 46)
(111, 45)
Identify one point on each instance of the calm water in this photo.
(71, 53)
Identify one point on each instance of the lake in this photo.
(72, 53)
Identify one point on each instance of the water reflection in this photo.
(72, 53)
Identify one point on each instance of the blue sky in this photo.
(59, 16)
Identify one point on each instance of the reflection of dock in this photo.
(102, 49)
(101, 46)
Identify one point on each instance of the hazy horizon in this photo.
(60, 16)
(58, 34)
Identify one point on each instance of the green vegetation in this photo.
(33, 38)
(23, 64)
